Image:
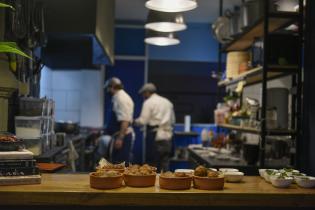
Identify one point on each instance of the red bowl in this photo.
(105, 182)
(175, 183)
(208, 183)
(139, 180)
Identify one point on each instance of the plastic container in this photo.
(33, 107)
(34, 145)
(28, 127)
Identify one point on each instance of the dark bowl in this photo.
(11, 145)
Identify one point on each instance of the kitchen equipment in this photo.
(233, 61)
(9, 142)
(32, 106)
(60, 139)
(68, 127)
(284, 50)
(221, 29)
(253, 10)
(287, 5)
(251, 153)
(28, 127)
(279, 98)
(234, 21)
(271, 118)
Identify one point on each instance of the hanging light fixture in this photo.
(165, 21)
(161, 38)
(171, 5)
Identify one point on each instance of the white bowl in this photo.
(267, 176)
(228, 170)
(262, 172)
(305, 181)
(233, 176)
(186, 171)
(213, 169)
(281, 182)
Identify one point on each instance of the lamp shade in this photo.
(171, 5)
(165, 21)
(160, 38)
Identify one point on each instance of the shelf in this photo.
(255, 75)
(276, 21)
(274, 132)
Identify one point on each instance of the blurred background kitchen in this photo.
(237, 100)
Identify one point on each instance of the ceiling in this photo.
(206, 12)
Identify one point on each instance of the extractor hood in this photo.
(80, 33)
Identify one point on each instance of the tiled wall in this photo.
(78, 95)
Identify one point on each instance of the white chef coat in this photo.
(123, 106)
(158, 111)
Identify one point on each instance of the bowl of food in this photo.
(233, 176)
(207, 179)
(268, 173)
(305, 181)
(175, 181)
(108, 166)
(9, 142)
(186, 171)
(262, 172)
(140, 176)
(281, 180)
(106, 179)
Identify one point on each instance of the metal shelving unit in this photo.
(268, 24)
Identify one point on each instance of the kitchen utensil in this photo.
(221, 29)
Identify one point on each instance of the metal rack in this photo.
(269, 23)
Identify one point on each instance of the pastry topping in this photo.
(140, 170)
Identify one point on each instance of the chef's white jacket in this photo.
(158, 111)
(123, 106)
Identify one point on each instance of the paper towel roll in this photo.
(187, 123)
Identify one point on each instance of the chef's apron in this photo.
(122, 154)
(151, 157)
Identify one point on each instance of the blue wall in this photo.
(197, 44)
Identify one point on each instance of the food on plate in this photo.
(103, 173)
(268, 173)
(140, 170)
(201, 171)
(281, 180)
(140, 176)
(8, 138)
(169, 174)
(186, 171)
(175, 181)
(207, 179)
(305, 181)
(104, 164)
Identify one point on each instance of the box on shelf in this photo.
(28, 127)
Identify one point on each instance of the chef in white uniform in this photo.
(119, 125)
(158, 116)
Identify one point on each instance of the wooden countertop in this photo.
(65, 189)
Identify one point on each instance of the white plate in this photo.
(233, 176)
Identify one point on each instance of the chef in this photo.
(158, 116)
(119, 125)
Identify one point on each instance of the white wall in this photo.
(78, 94)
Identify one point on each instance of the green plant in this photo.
(10, 47)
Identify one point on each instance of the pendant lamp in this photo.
(165, 21)
(161, 38)
(171, 5)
